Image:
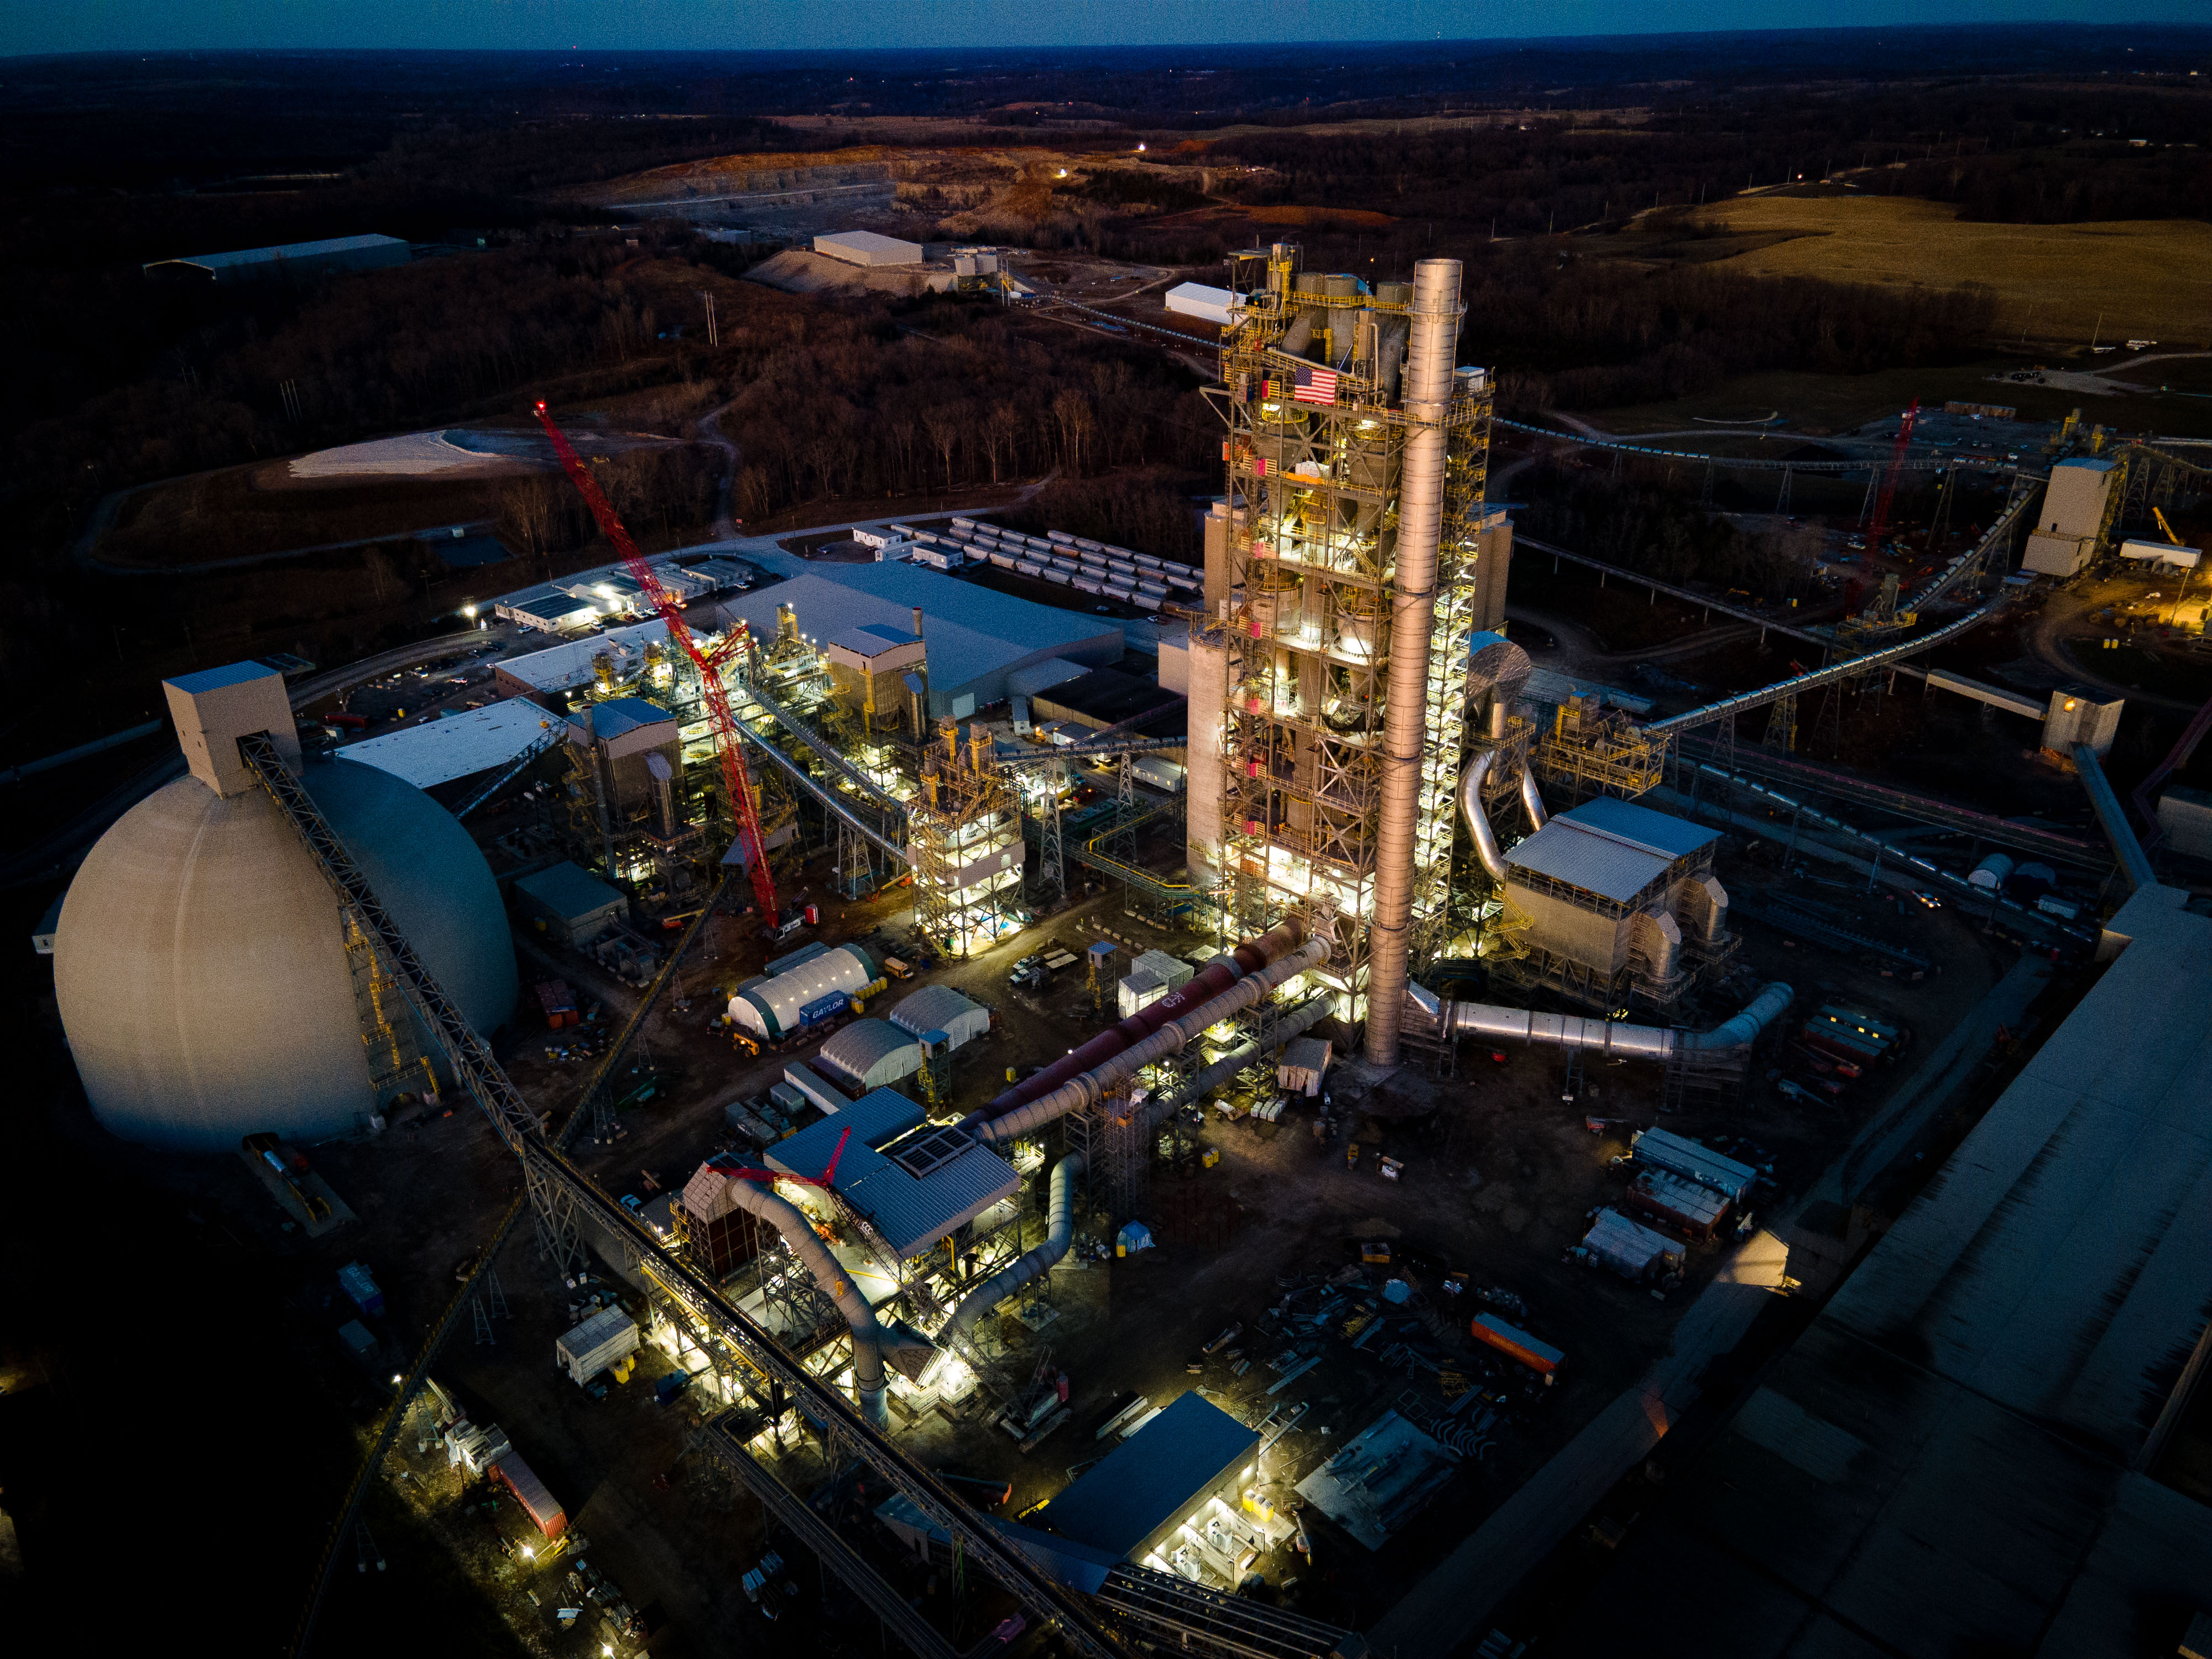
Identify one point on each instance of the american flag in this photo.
(1315, 386)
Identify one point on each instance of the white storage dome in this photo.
(201, 966)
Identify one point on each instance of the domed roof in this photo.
(200, 961)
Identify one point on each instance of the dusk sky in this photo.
(158, 25)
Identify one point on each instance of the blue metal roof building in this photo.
(1131, 1500)
(617, 715)
(915, 1184)
(1614, 848)
(975, 636)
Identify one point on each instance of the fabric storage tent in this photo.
(941, 1008)
(870, 1053)
(769, 1008)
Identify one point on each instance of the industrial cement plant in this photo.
(1124, 1106)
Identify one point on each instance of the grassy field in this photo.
(2146, 279)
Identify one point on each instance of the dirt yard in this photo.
(1500, 1175)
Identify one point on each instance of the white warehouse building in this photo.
(866, 247)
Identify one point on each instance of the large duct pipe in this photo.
(1032, 1265)
(1172, 1038)
(1059, 1230)
(1607, 1036)
(1295, 1025)
(1248, 957)
(867, 1336)
(1533, 801)
(1430, 361)
(1478, 822)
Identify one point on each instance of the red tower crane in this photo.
(1889, 478)
(728, 741)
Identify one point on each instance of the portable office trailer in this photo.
(602, 1341)
(1635, 1253)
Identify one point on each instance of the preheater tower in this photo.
(1346, 572)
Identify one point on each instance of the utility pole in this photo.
(714, 337)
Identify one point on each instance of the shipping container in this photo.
(1844, 1045)
(1159, 772)
(1859, 1022)
(824, 1008)
(558, 1003)
(607, 1336)
(1659, 1149)
(530, 1491)
(1517, 1344)
(354, 1280)
(1679, 1201)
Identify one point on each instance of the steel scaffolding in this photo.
(1317, 458)
(966, 837)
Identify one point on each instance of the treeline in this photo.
(1644, 524)
(2058, 186)
(1999, 149)
(857, 405)
(1594, 333)
(363, 355)
(663, 495)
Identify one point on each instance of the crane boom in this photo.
(727, 740)
(1881, 526)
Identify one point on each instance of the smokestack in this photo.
(917, 621)
(1429, 363)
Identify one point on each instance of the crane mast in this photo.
(1889, 479)
(728, 739)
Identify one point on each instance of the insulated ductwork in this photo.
(1294, 1024)
(1059, 1230)
(1430, 364)
(1533, 801)
(1603, 1036)
(1060, 1222)
(1172, 1038)
(867, 1336)
(1248, 957)
(1478, 821)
